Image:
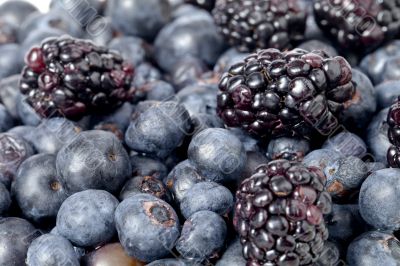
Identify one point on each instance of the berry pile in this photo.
(200, 132)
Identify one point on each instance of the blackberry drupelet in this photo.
(279, 214)
(294, 93)
(205, 4)
(393, 120)
(71, 77)
(358, 25)
(252, 24)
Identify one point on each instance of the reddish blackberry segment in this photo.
(71, 77)
(279, 214)
(294, 93)
(205, 4)
(252, 24)
(358, 24)
(393, 120)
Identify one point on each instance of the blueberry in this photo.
(26, 113)
(6, 120)
(203, 235)
(374, 248)
(145, 184)
(194, 35)
(87, 218)
(159, 91)
(16, 11)
(51, 249)
(250, 144)
(182, 177)
(359, 110)
(5, 199)
(347, 143)
(13, 151)
(131, 49)
(99, 35)
(232, 256)
(344, 223)
(207, 196)
(143, 18)
(374, 64)
(121, 117)
(97, 5)
(391, 71)
(9, 93)
(53, 133)
(25, 132)
(37, 188)
(10, 62)
(204, 121)
(16, 235)
(379, 199)
(377, 137)
(145, 73)
(330, 255)
(218, 154)
(187, 71)
(184, 9)
(254, 159)
(110, 255)
(387, 93)
(94, 159)
(143, 166)
(168, 262)
(159, 129)
(198, 99)
(345, 176)
(288, 148)
(147, 227)
(313, 45)
(321, 158)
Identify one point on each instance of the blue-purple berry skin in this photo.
(377, 136)
(379, 199)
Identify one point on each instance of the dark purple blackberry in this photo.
(358, 24)
(71, 77)
(294, 93)
(251, 24)
(279, 214)
(393, 120)
(205, 4)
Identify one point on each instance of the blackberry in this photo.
(71, 77)
(273, 93)
(205, 4)
(356, 24)
(251, 24)
(393, 120)
(279, 214)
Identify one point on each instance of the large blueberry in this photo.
(16, 235)
(131, 49)
(218, 154)
(120, 117)
(347, 143)
(159, 129)
(377, 136)
(142, 166)
(87, 218)
(195, 35)
(374, 248)
(10, 62)
(147, 227)
(9, 94)
(198, 99)
(13, 151)
(380, 199)
(94, 159)
(181, 178)
(50, 249)
(203, 235)
(142, 18)
(159, 91)
(37, 187)
(321, 158)
(6, 120)
(232, 256)
(387, 93)
(207, 196)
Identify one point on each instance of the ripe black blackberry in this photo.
(71, 77)
(357, 24)
(205, 4)
(294, 93)
(393, 120)
(279, 214)
(252, 24)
